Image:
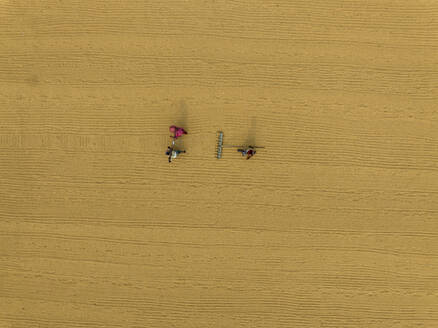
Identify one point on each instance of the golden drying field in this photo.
(333, 224)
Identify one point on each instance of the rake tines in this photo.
(220, 144)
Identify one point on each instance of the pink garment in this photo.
(178, 132)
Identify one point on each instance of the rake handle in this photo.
(232, 146)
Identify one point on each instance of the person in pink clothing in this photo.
(177, 132)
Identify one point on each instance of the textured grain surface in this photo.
(334, 224)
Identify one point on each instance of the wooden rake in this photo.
(220, 145)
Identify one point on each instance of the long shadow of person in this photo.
(252, 131)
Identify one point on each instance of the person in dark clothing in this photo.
(172, 153)
(248, 152)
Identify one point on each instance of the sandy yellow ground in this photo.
(333, 224)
